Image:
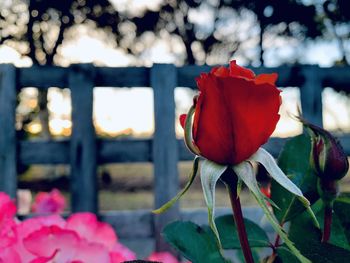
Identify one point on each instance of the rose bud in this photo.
(234, 114)
(327, 157)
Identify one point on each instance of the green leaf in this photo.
(246, 173)
(257, 237)
(191, 178)
(307, 239)
(294, 162)
(342, 210)
(194, 242)
(285, 255)
(338, 236)
(210, 174)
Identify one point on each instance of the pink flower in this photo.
(9, 254)
(7, 207)
(7, 223)
(52, 202)
(31, 225)
(45, 239)
(53, 243)
(164, 257)
(121, 253)
(88, 227)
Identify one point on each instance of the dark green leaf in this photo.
(285, 255)
(195, 243)
(342, 210)
(294, 162)
(338, 236)
(307, 239)
(229, 236)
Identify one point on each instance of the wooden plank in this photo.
(43, 152)
(8, 142)
(122, 77)
(165, 150)
(336, 77)
(43, 77)
(83, 154)
(136, 224)
(311, 95)
(123, 151)
(53, 76)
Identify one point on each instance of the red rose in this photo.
(235, 113)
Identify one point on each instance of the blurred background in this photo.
(142, 32)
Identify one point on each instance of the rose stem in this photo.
(231, 179)
(328, 210)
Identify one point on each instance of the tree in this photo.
(38, 28)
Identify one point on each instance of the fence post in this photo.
(83, 140)
(165, 148)
(311, 95)
(8, 142)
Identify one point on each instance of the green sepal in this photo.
(245, 171)
(191, 178)
(188, 132)
(210, 174)
(239, 187)
(264, 158)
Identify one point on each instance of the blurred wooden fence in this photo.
(84, 152)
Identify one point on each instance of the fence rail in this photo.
(84, 152)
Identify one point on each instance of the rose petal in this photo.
(7, 207)
(88, 227)
(52, 202)
(49, 239)
(182, 120)
(220, 71)
(9, 255)
(234, 117)
(238, 71)
(91, 253)
(266, 78)
(165, 257)
(121, 253)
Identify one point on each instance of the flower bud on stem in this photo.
(230, 179)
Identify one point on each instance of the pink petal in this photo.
(88, 227)
(121, 253)
(164, 257)
(9, 255)
(52, 202)
(7, 207)
(8, 233)
(45, 242)
(91, 253)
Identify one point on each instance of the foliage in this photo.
(294, 160)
